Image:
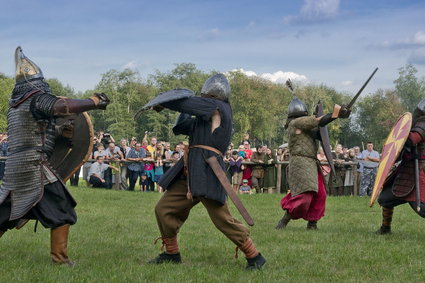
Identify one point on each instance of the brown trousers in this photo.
(173, 209)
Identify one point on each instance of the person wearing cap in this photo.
(245, 188)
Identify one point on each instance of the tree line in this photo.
(259, 106)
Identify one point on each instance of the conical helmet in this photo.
(26, 69)
(216, 87)
(297, 108)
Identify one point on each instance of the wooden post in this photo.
(117, 175)
(355, 177)
(278, 177)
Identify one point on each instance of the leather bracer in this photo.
(65, 106)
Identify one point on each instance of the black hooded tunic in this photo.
(202, 181)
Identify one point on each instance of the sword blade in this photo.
(221, 176)
(417, 182)
(360, 91)
(324, 134)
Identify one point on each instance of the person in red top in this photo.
(400, 188)
(248, 151)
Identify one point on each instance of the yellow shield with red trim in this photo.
(392, 148)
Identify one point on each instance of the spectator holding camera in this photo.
(105, 138)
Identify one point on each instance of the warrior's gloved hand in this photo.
(341, 111)
(101, 100)
(344, 112)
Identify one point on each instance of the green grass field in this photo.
(114, 235)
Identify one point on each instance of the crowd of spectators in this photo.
(355, 170)
(140, 164)
(135, 165)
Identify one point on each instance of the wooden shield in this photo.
(392, 148)
(324, 135)
(71, 154)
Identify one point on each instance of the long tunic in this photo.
(202, 180)
(302, 174)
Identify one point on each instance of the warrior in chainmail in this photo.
(31, 188)
(307, 196)
(400, 187)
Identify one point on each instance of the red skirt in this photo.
(309, 205)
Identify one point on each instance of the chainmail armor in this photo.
(24, 178)
(22, 89)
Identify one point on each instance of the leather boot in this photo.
(254, 259)
(59, 245)
(284, 221)
(312, 225)
(387, 218)
(171, 253)
(255, 262)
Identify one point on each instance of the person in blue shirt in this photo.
(135, 168)
(370, 160)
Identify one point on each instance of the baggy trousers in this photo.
(309, 206)
(173, 209)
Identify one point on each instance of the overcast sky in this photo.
(335, 42)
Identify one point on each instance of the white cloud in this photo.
(320, 9)
(416, 40)
(276, 77)
(132, 65)
(346, 83)
(315, 11)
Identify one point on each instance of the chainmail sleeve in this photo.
(42, 106)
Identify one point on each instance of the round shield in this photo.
(71, 154)
(171, 95)
(392, 148)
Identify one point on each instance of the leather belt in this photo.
(210, 148)
(186, 162)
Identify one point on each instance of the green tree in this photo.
(59, 89)
(409, 88)
(127, 93)
(184, 75)
(6, 87)
(377, 114)
(259, 108)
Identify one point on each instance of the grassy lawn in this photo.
(114, 235)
